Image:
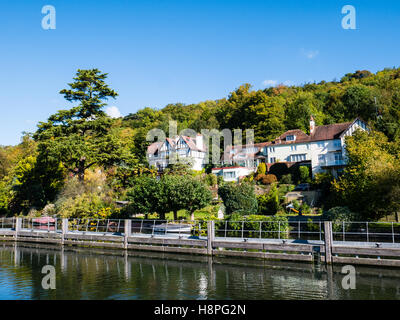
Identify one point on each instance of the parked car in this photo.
(302, 187)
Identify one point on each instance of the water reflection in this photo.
(105, 274)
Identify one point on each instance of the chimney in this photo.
(312, 125)
(199, 141)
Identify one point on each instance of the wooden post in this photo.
(210, 236)
(64, 229)
(18, 225)
(127, 232)
(328, 241)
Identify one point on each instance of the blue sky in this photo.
(160, 52)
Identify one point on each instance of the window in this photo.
(293, 148)
(337, 143)
(290, 138)
(321, 158)
(297, 157)
(338, 157)
(272, 160)
(271, 149)
(230, 174)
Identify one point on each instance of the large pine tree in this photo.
(80, 137)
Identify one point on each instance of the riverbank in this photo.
(179, 237)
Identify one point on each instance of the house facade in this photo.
(232, 173)
(323, 148)
(160, 154)
(248, 156)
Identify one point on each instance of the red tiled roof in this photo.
(151, 149)
(326, 132)
(330, 131)
(192, 143)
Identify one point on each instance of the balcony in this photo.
(332, 163)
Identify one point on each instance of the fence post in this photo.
(210, 236)
(18, 225)
(127, 231)
(328, 241)
(64, 230)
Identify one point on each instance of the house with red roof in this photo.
(323, 148)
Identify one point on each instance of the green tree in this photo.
(299, 111)
(80, 137)
(262, 168)
(304, 174)
(193, 194)
(211, 179)
(371, 179)
(144, 196)
(35, 183)
(170, 193)
(183, 192)
(238, 198)
(268, 204)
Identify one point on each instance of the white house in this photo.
(232, 173)
(161, 153)
(323, 148)
(249, 156)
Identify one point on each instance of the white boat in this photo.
(173, 228)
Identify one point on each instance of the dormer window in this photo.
(291, 138)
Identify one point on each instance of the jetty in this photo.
(300, 241)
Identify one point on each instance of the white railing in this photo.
(343, 231)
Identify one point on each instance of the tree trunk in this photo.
(162, 216)
(80, 170)
(175, 215)
(397, 216)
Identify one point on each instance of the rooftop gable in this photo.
(325, 132)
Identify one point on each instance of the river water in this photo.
(83, 273)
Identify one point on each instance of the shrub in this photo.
(304, 174)
(84, 199)
(286, 179)
(262, 168)
(268, 204)
(305, 208)
(220, 180)
(200, 228)
(260, 177)
(313, 226)
(270, 225)
(296, 204)
(211, 180)
(238, 198)
(269, 178)
(338, 215)
(83, 206)
(279, 169)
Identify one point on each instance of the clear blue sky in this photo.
(160, 52)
